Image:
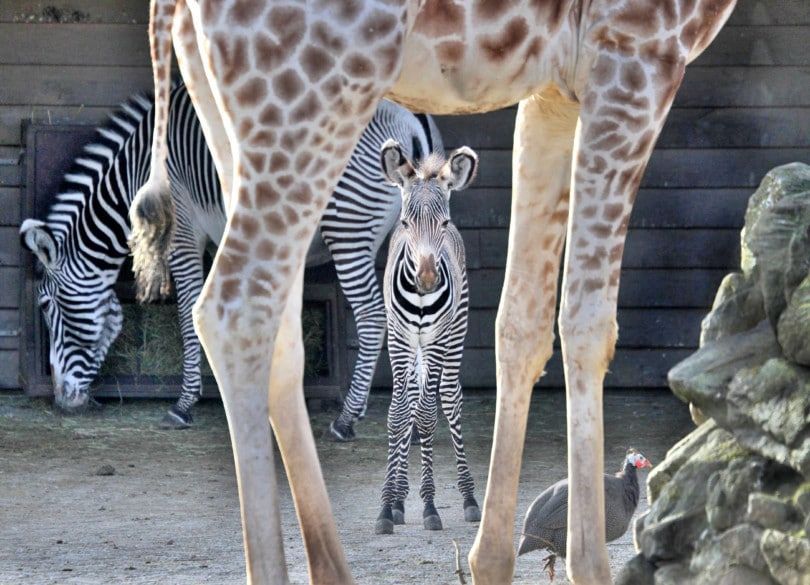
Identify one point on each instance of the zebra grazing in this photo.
(425, 290)
(83, 243)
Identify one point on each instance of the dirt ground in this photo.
(106, 497)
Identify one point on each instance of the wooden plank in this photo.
(758, 45)
(736, 128)
(10, 291)
(12, 118)
(770, 12)
(10, 206)
(86, 45)
(744, 87)
(690, 208)
(9, 369)
(67, 11)
(10, 250)
(10, 175)
(673, 168)
(71, 85)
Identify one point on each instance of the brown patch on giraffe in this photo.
(284, 181)
(291, 216)
(258, 288)
(234, 55)
(265, 138)
(274, 223)
(450, 52)
(640, 17)
(247, 225)
(615, 276)
(244, 12)
(378, 26)
(616, 41)
(268, 54)
(301, 195)
(306, 109)
(333, 87)
(271, 115)
(615, 253)
(590, 285)
(229, 291)
(252, 92)
(265, 196)
(302, 161)
(588, 211)
(551, 14)
(266, 249)
(288, 86)
(212, 9)
(229, 263)
(291, 139)
(604, 70)
(322, 35)
(601, 230)
(278, 162)
(501, 46)
(357, 65)
(612, 211)
(316, 63)
(590, 262)
(633, 77)
(439, 18)
(257, 160)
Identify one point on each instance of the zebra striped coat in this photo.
(425, 290)
(82, 244)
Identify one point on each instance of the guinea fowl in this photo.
(546, 522)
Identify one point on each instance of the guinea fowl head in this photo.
(636, 459)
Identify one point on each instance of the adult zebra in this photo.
(83, 243)
(425, 290)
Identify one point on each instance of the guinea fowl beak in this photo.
(643, 463)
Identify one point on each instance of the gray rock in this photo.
(637, 571)
(770, 511)
(728, 492)
(788, 557)
(738, 306)
(793, 327)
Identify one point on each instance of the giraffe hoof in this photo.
(175, 421)
(398, 512)
(339, 433)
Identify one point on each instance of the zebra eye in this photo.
(445, 223)
(404, 223)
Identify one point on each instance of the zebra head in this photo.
(81, 311)
(425, 215)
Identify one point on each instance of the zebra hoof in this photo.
(385, 522)
(398, 512)
(472, 514)
(340, 433)
(176, 421)
(432, 522)
(430, 518)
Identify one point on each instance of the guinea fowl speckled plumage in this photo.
(546, 521)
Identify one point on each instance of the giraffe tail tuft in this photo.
(153, 222)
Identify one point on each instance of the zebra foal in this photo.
(425, 292)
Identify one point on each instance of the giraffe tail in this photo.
(152, 216)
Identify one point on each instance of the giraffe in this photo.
(284, 89)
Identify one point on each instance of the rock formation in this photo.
(731, 503)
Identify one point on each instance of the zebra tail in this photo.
(153, 223)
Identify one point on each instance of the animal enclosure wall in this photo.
(744, 108)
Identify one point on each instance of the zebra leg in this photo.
(426, 417)
(358, 281)
(399, 417)
(186, 264)
(452, 403)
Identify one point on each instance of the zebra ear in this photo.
(396, 167)
(38, 238)
(459, 170)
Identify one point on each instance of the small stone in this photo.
(105, 470)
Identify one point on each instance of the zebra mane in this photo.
(430, 166)
(90, 168)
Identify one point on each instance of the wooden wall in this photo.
(744, 108)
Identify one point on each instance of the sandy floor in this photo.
(106, 497)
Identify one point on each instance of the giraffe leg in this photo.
(290, 420)
(615, 137)
(524, 326)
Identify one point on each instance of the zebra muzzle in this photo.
(427, 276)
